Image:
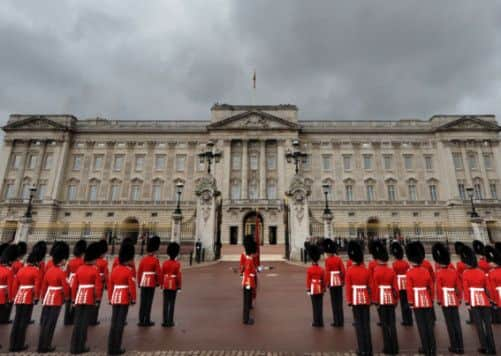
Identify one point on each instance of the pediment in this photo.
(254, 120)
(34, 123)
(468, 123)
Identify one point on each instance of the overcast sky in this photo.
(160, 60)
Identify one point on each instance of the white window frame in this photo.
(118, 162)
(160, 158)
(180, 162)
(327, 162)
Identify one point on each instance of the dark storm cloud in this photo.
(173, 59)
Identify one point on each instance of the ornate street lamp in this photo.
(326, 189)
(296, 155)
(210, 155)
(473, 212)
(29, 209)
(179, 191)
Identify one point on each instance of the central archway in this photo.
(372, 228)
(130, 229)
(250, 221)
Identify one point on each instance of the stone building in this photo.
(97, 177)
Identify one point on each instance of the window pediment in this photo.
(254, 120)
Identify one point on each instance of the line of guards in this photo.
(78, 283)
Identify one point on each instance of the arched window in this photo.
(478, 188)
(370, 189)
(115, 188)
(433, 189)
(156, 191)
(391, 187)
(328, 185)
(349, 185)
(25, 189)
(235, 189)
(271, 189)
(135, 190)
(72, 191)
(93, 189)
(412, 189)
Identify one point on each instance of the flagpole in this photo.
(254, 88)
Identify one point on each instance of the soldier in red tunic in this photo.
(121, 294)
(86, 292)
(71, 268)
(475, 297)
(54, 292)
(449, 293)
(494, 282)
(248, 278)
(420, 293)
(479, 249)
(357, 296)
(41, 248)
(334, 278)
(315, 285)
(22, 249)
(149, 277)
(132, 264)
(8, 255)
(27, 291)
(171, 283)
(102, 267)
(384, 292)
(401, 266)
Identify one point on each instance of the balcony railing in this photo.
(275, 203)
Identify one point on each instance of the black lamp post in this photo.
(326, 189)
(210, 155)
(29, 209)
(179, 191)
(473, 212)
(296, 155)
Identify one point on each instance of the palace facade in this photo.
(96, 177)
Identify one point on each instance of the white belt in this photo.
(85, 286)
(401, 277)
(473, 291)
(381, 292)
(120, 286)
(332, 276)
(174, 276)
(26, 287)
(499, 290)
(3, 286)
(149, 272)
(446, 291)
(416, 292)
(54, 288)
(314, 281)
(358, 287)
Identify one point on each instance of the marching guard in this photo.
(71, 268)
(474, 289)
(8, 255)
(132, 264)
(54, 292)
(479, 248)
(315, 285)
(385, 295)
(401, 266)
(449, 296)
(149, 277)
(22, 250)
(420, 293)
(171, 283)
(494, 282)
(86, 292)
(249, 271)
(102, 267)
(121, 294)
(357, 297)
(334, 277)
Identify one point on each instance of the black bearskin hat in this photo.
(458, 245)
(80, 248)
(314, 252)
(396, 250)
(478, 247)
(3, 247)
(249, 245)
(379, 251)
(41, 248)
(329, 246)
(493, 255)
(22, 249)
(33, 258)
(60, 251)
(370, 246)
(441, 254)
(355, 252)
(104, 246)
(415, 252)
(127, 240)
(497, 245)
(468, 256)
(9, 254)
(153, 244)
(126, 253)
(92, 252)
(173, 250)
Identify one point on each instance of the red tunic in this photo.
(149, 273)
(87, 287)
(27, 285)
(49, 265)
(357, 285)
(384, 285)
(484, 265)
(132, 265)
(334, 271)
(494, 285)
(401, 267)
(102, 267)
(6, 284)
(449, 288)
(419, 287)
(474, 287)
(55, 289)
(121, 286)
(72, 268)
(171, 275)
(426, 264)
(315, 279)
(16, 266)
(242, 262)
(249, 273)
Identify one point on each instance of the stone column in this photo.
(176, 227)
(245, 166)
(226, 169)
(40, 163)
(299, 219)
(447, 172)
(327, 218)
(6, 159)
(21, 170)
(60, 169)
(281, 167)
(262, 170)
(480, 230)
(205, 228)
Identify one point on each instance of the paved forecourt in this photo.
(209, 317)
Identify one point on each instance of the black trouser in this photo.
(406, 308)
(390, 340)
(496, 314)
(424, 321)
(337, 305)
(69, 313)
(317, 305)
(83, 315)
(147, 294)
(118, 318)
(451, 316)
(169, 304)
(482, 320)
(247, 303)
(21, 322)
(48, 321)
(95, 315)
(361, 316)
(5, 313)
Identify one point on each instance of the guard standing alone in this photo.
(171, 283)
(149, 277)
(334, 279)
(315, 285)
(248, 278)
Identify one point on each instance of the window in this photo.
(457, 158)
(329, 191)
(388, 162)
(271, 190)
(48, 161)
(72, 192)
(115, 191)
(347, 162)
(439, 230)
(159, 162)
(77, 162)
(16, 161)
(235, 190)
(157, 192)
(488, 160)
(42, 191)
(367, 162)
(307, 163)
(472, 160)
(433, 192)
(327, 162)
(32, 161)
(180, 163)
(253, 190)
(493, 189)
(271, 162)
(428, 162)
(118, 162)
(98, 162)
(253, 161)
(9, 191)
(412, 191)
(462, 190)
(370, 191)
(86, 230)
(25, 190)
(417, 229)
(236, 162)
(351, 230)
(392, 195)
(135, 192)
(477, 187)
(349, 192)
(408, 164)
(200, 165)
(139, 163)
(93, 189)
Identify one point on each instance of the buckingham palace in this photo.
(65, 177)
